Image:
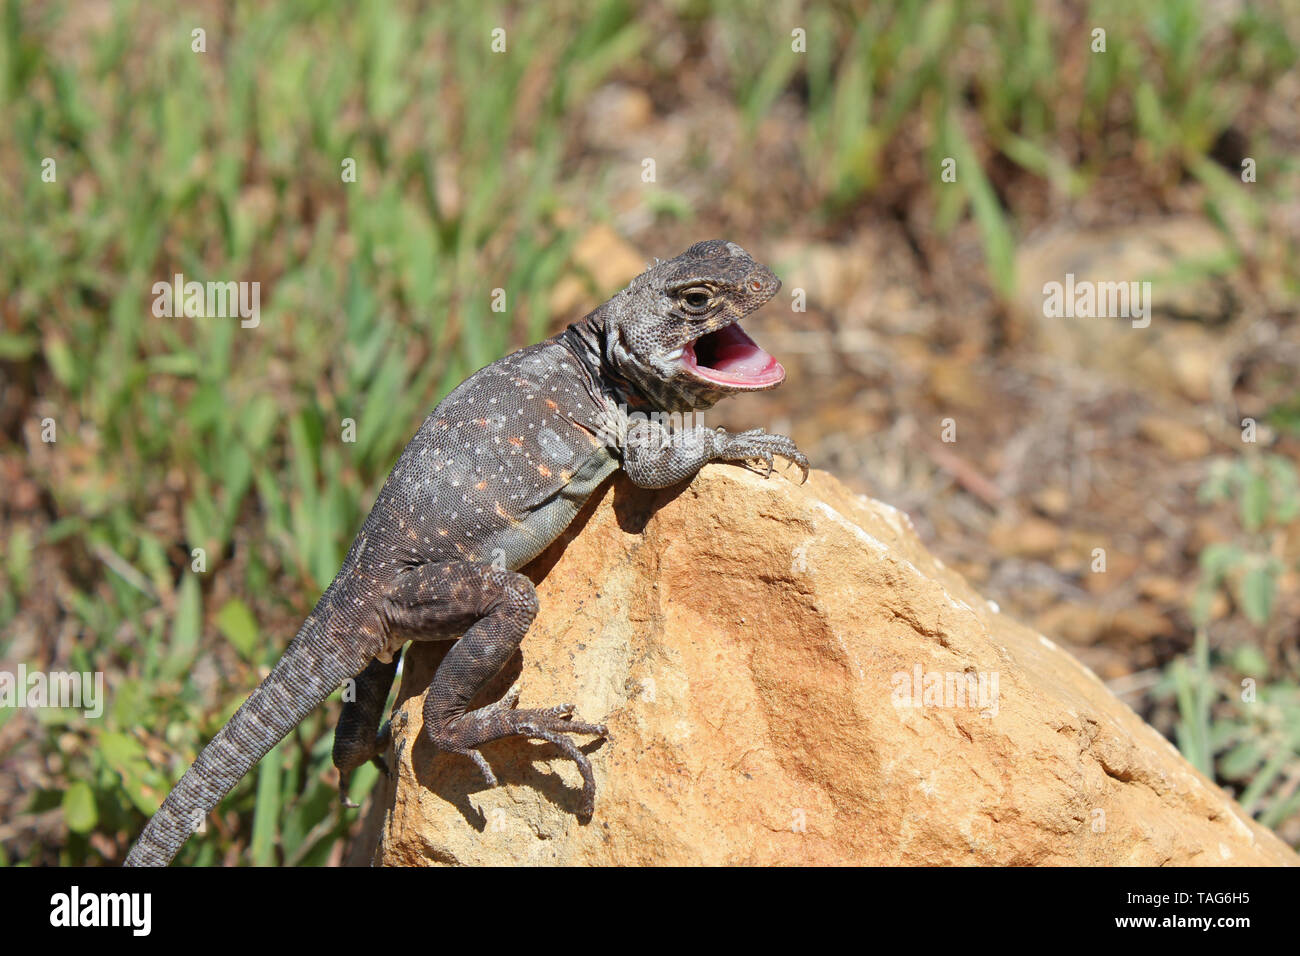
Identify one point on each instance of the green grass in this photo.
(1028, 93)
(1239, 711)
(184, 434)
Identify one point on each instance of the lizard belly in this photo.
(496, 472)
(523, 539)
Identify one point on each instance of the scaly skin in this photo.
(492, 477)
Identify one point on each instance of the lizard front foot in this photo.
(758, 445)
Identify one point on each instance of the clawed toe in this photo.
(757, 445)
(481, 762)
(576, 727)
(559, 719)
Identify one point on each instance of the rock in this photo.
(830, 272)
(1076, 622)
(1163, 589)
(615, 114)
(608, 261)
(1139, 623)
(1025, 537)
(1183, 258)
(1180, 441)
(1053, 501)
(1119, 570)
(753, 645)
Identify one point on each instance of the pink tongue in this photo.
(741, 358)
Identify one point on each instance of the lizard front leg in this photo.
(655, 457)
(358, 737)
(493, 608)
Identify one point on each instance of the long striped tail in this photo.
(310, 670)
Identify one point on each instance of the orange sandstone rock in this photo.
(789, 677)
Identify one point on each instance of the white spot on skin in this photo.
(553, 446)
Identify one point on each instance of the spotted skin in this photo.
(491, 478)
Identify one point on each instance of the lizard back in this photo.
(497, 471)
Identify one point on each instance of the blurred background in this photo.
(816, 135)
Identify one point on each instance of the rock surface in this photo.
(753, 645)
(1182, 258)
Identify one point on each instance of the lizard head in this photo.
(674, 333)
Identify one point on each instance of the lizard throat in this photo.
(730, 358)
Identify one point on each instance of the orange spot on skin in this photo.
(551, 405)
(517, 442)
(565, 475)
(481, 485)
(545, 472)
(481, 422)
(587, 433)
(443, 532)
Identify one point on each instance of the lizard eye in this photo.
(697, 300)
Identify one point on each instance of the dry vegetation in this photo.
(524, 171)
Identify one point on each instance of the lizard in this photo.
(494, 474)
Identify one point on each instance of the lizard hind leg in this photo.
(359, 739)
(493, 609)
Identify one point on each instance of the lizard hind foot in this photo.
(509, 700)
(551, 724)
(554, 725)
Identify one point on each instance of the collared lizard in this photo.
(494, 475)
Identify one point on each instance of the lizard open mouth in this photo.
(731, 358)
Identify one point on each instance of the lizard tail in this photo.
(310, 670)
